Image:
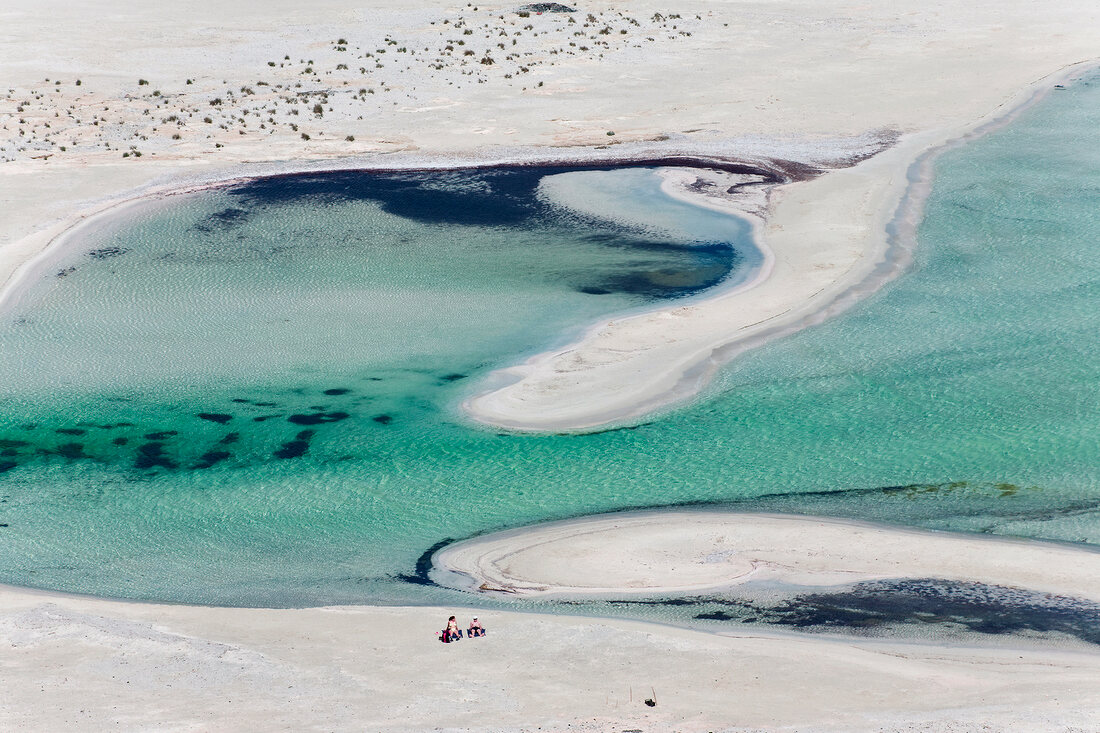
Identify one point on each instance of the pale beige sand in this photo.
(686, 551)
(78, 664)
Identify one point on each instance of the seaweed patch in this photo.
(318, 418)
(151, 455)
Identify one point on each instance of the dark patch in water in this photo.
(217, 417)
(453, 377)
(265, 418)
(229, 439)
(70, 431)
(715, 616)
(892, 606)
(66, 272)
(383, 419)
(420, 574)
(293, 449)
(6, 466)
(318, 418)
(222, 220)
(306, 435)
(593, 291)
(208, 459)
(151, 455)
(337, 391)
(11, 443)
(242, 401)
(104, 253)
(161, 435)
(9, 452)
(120, 441)
(265, 404)
(71, 450)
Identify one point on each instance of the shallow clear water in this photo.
(964, 395)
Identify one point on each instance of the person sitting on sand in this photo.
(451, 633)
(476, 629)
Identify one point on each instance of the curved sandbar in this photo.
(673, 552)
(828, 241)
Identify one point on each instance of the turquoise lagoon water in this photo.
(326, 327)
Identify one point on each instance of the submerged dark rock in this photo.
(453, 377)
(151, 455)
(229, 438)
(383, 419)
(71, 450)
(160, 435)
(6, 466)
(208, 459)
(70, 431)
(293, 449)
(318, 418)
(104, 253)
(335, 391)
(217, 417)
(120, 441)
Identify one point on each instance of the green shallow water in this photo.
(963, 395)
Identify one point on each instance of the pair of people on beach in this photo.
(453, 633)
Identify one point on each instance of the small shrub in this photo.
(143, 82)
(350, 138)
(305, 136)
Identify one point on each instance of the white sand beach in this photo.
(107, 102)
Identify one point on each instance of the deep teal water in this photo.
(963, 395)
